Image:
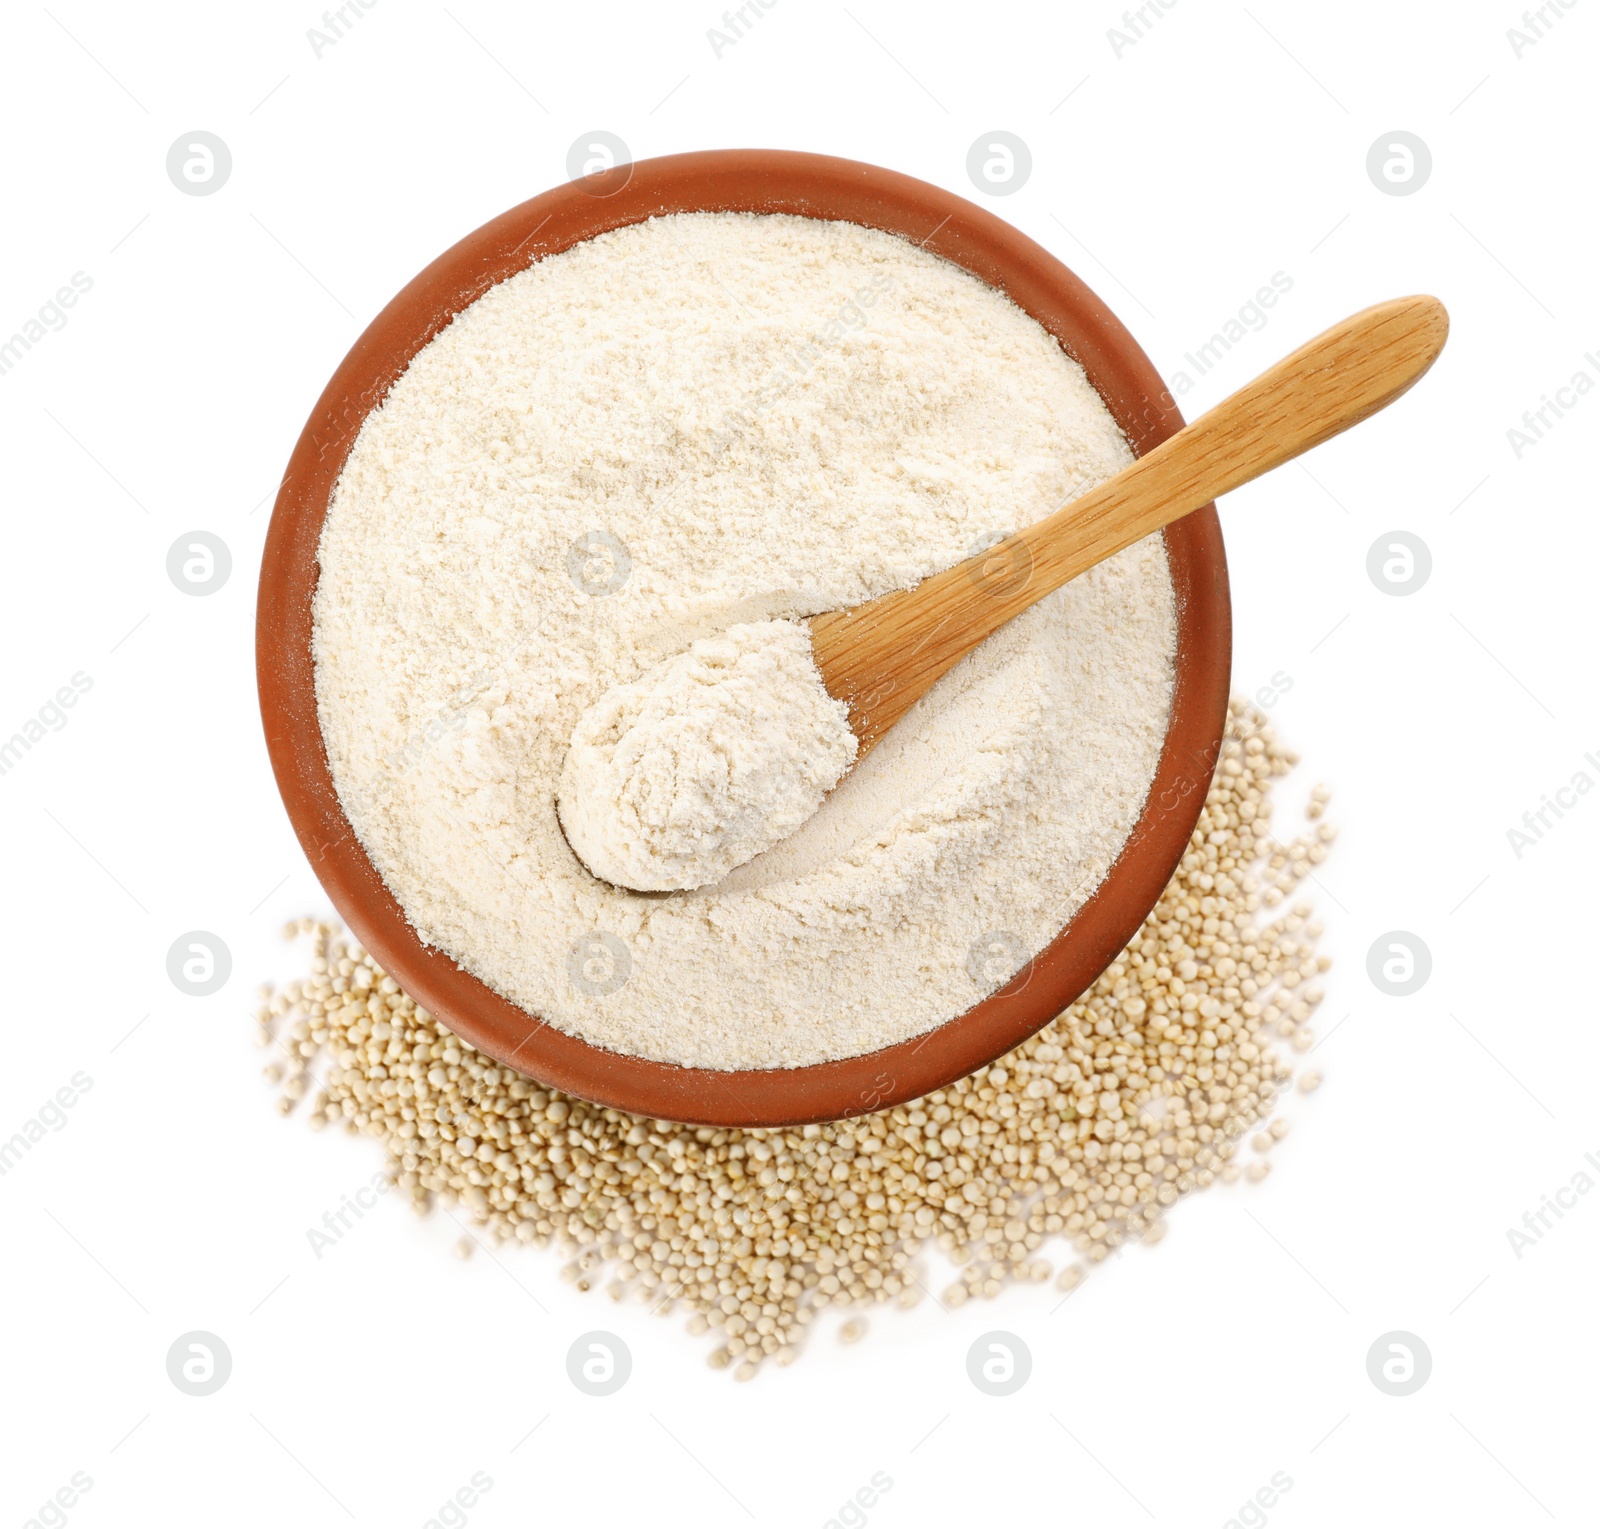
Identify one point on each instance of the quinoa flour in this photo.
(704, 762)
(680, 426)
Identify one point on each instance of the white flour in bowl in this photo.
(678, 427)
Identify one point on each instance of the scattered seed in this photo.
(1135, 1096)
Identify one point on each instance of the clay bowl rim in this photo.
(768, 181)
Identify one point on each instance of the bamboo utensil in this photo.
(880, 657)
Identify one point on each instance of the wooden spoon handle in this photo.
(880, 657)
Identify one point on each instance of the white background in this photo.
(1222, 146)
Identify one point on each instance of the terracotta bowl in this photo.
(768, 182)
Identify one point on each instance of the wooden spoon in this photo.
(880, 657)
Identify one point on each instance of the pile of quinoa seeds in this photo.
(1139, 1094)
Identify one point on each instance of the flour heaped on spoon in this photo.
(707, 760)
